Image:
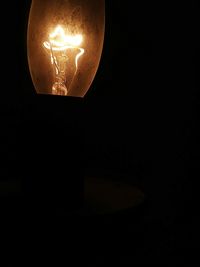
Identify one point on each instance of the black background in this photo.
(141, 118)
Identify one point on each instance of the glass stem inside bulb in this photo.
(59, 61)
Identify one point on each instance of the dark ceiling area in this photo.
(140, 120)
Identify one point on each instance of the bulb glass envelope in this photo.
(64, 45)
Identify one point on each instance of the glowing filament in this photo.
(60, 42)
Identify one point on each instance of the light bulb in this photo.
(64, 44)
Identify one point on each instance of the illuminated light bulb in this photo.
(65, 42)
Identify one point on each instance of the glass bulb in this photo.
(65, 42)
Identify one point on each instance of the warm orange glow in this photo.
(64, 45)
